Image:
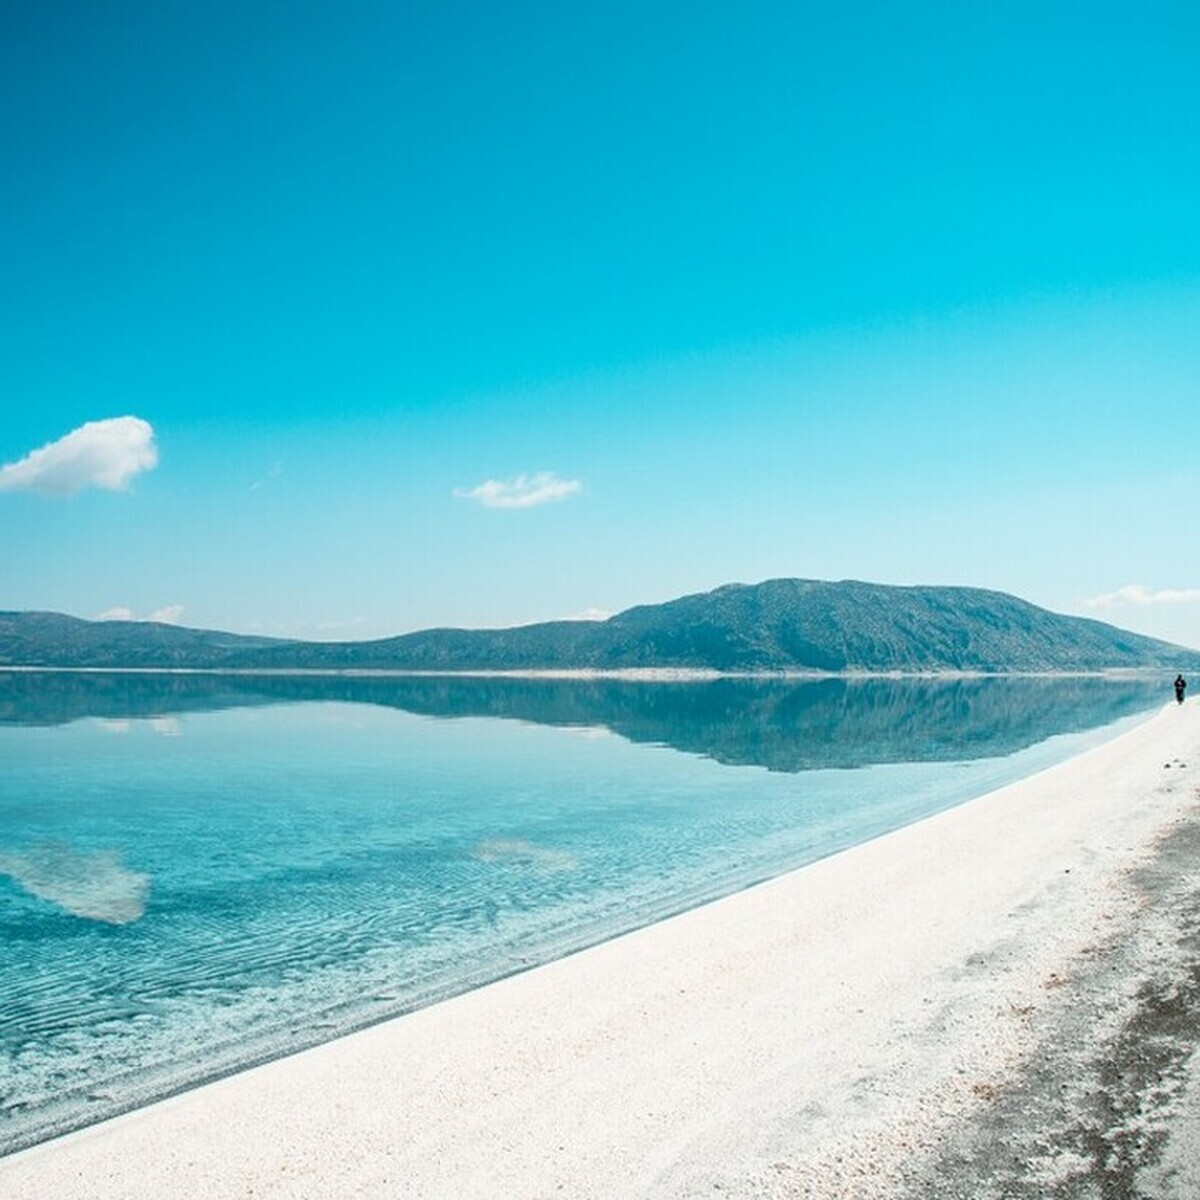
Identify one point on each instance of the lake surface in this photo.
(202, 872)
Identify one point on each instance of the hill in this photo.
(779, 625)
(43, 639)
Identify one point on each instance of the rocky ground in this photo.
(1108, 1107)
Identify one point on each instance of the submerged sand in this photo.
(1002, 1000)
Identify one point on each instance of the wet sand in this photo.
(1002, 1000)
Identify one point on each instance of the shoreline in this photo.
(626, 674)
(833, 1029)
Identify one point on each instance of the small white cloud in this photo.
(591, 614)
(166, 726)
(103, 454)
(1141, 596)
(525, 491)
(168, 615)
(273, 474)
(120, 613)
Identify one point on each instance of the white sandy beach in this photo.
(943, 1011)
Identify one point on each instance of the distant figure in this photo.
(1180, 687)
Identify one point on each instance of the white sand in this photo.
(815, 1035)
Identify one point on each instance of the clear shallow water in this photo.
(198, 873)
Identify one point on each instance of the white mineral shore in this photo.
(826, 1034)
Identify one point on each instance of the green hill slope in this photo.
(779, 625)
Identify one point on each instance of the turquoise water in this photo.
(199, 873)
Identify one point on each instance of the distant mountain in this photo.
(780, 625)
(39, 639)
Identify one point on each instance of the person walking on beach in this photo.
(1180, 688)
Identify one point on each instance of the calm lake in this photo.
(201, 872)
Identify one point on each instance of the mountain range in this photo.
(782, 625)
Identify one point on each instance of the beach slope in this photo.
(1001, 1000)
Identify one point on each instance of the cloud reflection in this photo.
(518, 852)
(89, 884)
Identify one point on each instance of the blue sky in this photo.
(466, 314)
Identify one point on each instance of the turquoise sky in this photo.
(481, 314)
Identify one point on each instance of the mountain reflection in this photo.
(783, 725)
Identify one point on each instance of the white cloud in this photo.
(525, 491)
(168, 615)
(103, 454)
(273, 474)
(120, 613)
(591, 614)
(1139, 595)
